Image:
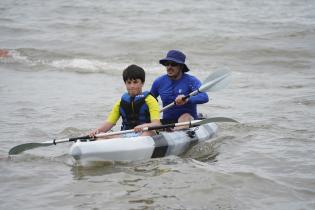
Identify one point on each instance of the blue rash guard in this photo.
(169, 89)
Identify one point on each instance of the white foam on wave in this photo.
(79, 63)
(55, 62)
(83, 65)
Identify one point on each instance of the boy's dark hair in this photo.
(134, 72)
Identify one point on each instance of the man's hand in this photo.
(180, 100)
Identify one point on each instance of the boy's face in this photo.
(134, 87)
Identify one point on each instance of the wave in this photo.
(37, 60)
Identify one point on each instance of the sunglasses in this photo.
(173, 64)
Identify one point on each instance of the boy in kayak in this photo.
(176, 84)
(138, 109)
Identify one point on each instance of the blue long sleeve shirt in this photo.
(169, 89)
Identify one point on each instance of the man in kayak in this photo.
(176, 84)
(138, 109)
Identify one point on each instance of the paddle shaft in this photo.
(184, 98)
(27, 146)
(102, 135)
(158, 127)
(55, 141)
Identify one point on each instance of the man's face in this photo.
(174, 70)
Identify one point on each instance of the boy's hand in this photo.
(139, 128)
(93, 133)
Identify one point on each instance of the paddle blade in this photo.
(216, 81)
(23, 147)
(217, 74)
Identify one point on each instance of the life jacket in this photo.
(134, 111)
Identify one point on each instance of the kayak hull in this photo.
(142, 147)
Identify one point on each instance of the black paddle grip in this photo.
(161, 127)
(80, 138)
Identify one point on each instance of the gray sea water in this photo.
(63, 74)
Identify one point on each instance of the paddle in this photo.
(27, 146)
(213, 82)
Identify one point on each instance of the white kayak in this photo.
(142, 147)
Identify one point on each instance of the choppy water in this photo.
(64, 74)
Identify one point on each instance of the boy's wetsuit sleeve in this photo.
(114, 114)
(153, 106)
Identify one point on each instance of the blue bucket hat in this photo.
(177, 57)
